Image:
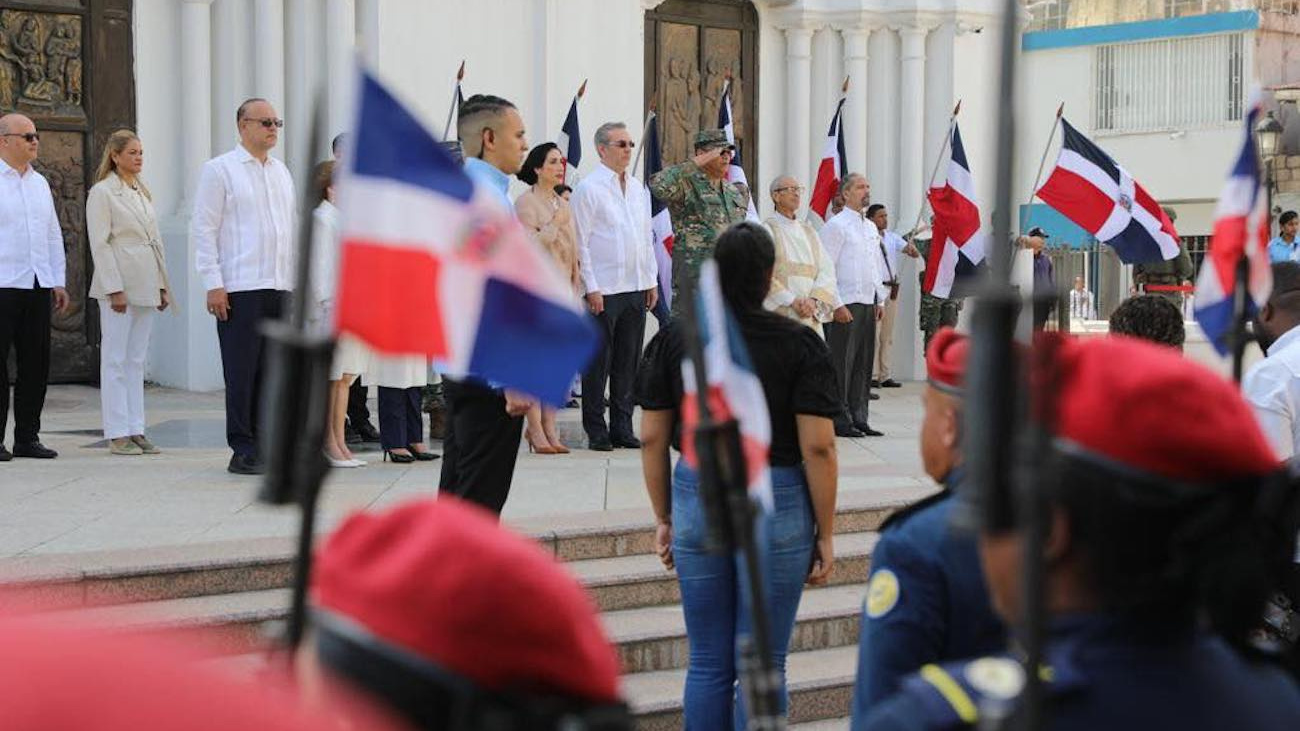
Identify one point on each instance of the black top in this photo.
(790, 359)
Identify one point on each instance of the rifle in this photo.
(295, 403)
(731, 514)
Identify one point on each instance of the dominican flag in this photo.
(1241, 228)
(1091, 189)
(735, 173)
(661, 224)
(957, 246)
(734, 389)
(431, 265)
(570, 138)
(834, 165)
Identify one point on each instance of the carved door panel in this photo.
(68, 65)
(691, 46)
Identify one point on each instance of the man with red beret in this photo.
(926, 600)
(453, 622)
(1163, 541)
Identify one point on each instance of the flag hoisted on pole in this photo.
(735, 173)
(433, 265)
(1241, 231)
(734, 389)
(1088, 187)
(661, 223)
(957, 246)
(834, 165)
(457, 99)
(570, 138)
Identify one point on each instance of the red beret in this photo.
(945, 361)
(442, 579)
(1149, 408)
(57, 679)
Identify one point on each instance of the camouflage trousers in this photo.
(1175, 297)
(686, 268)
(937, 312)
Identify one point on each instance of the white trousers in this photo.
(885, 340)
(123, 349)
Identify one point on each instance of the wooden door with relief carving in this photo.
(69, 65)
(690, 48)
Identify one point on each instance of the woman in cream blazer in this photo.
(130, 282)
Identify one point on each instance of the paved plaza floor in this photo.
(88, 500)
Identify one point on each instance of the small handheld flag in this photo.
(834, 165)
(433, 265)
(570, 138)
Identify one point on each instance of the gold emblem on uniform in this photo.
(996, 677)
(882, 593)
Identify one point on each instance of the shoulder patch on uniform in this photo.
(882, 593)
(995, 677)
(902, 514)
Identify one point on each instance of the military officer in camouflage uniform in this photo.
(701, 202)
(936, 312)
(1154, 276)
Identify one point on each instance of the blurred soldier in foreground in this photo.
(1161, 278)
(440, 615)
(57, 679)
(701, 202)
(1162, 540)
(926, 600)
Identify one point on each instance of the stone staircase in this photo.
(236, 595)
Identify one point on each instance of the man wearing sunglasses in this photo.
(242, 230)
(32, 271)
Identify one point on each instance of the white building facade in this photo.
(909, 61)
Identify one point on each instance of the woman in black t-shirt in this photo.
(794, 366)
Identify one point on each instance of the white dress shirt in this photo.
(615, 241)
(853, 244)
(242, 228)
(31, 242)
(1272, 386)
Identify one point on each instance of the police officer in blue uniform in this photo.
(926, 600)
(1162, 542)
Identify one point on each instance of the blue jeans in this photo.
(715, 599)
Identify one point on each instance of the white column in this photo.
(824, 90)
(268, 25)
(196, 78)
(340, 44)
(938, 90)
(368, 31)
(798, 76)
(882, 119)
(911, 111)
(232, 65)
(300, 83)
(855, 109)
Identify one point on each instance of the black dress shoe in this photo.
(874, 397)
(350, 435)
(425, 456)
(867, 431)
(847, 431)
(875, 383)
(600, 444)
(626, 442)
(5, 454)
(367, 431)
(34, 450)
(890, 383)
(244, 465)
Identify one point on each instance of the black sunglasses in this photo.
(27, 136)
(268, 122)
(621, 144)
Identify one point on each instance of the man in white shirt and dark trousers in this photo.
(1272, 386)
(891, 245)
(853, 243)
(611, 211)
(32, 271)
(242, 229)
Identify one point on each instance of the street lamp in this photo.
(1268, 133)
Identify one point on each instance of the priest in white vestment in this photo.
(803, 279)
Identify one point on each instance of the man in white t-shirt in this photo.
(1272, 386)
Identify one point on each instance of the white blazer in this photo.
(125, 243)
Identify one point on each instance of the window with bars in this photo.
(1172, 83)
(1178, 8)
(1048, 14)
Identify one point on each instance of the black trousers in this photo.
(24, 326)
(243, 363)
(623, 326)
(853, 350)
(358, 413)
(400, 422)
(481, 446)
